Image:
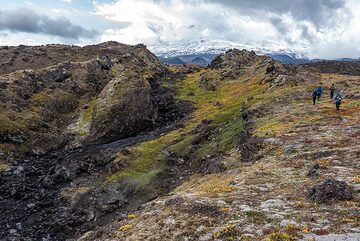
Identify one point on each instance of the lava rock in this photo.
(248, 146)
(211, 164)
(203, 132)
(314, 171)
(330, 190)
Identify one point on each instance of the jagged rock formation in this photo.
(81, 102)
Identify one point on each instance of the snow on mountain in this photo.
(216, 47)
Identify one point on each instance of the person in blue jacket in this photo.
(319, 91)
(338, 99)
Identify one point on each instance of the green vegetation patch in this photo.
(222, 106)
(257, 217)
(3, 166)
(144, 161)
(82, 126)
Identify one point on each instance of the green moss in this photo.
(81, 127)
(3, 166)
(39, 99)
(147, 159)
(278, 236)
(256, 217)
(144, 162)
(6, 124)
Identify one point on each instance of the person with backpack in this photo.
(332, 91)
(319, 91)
(314, 94)
(338, 99)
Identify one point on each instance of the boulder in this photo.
(248, 146)
(273, 203)
(211, 164)
(330, 190)
(123, 108)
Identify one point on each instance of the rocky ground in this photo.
(253, 160)
(281, 193)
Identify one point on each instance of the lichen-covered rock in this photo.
(123, 107)
(330, 190)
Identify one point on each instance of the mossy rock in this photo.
(123, 108)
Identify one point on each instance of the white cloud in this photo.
(154, 22)
(323, 29)
(66, 1)
(291, 28)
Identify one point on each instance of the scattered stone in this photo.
(356, 187)
(330, 190)
(19, 226)
(211, 164)
(19, 170)
(2, 154)
(206, 237)
(221, 203)
(285, 222)
(288, 150)
(314, 171)
(272, 203)
(170, 220)
(245, 208)
(333, 237)
(12, 231)
(276, 216)
(174, 201)
(31, 205)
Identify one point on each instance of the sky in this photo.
(318, 28)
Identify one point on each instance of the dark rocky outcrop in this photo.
(232, 63)
(211, 164)
(202, 131)
(248, 146)
(235, 58)
(314, 171)
(330, 190)
(115, 94)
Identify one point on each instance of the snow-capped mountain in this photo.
(207, 49)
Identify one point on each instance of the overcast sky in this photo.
(320, 28)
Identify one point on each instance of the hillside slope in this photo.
(243, 163)
(258, 137)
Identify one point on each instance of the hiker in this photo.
(319, 91)
(314, 94)
(332, 91)
(338, 99)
